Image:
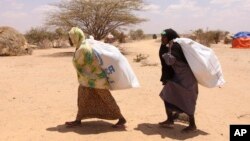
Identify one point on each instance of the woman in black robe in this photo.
(180, 89)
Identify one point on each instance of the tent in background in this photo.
(241, 40)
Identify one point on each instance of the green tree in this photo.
(96, 17)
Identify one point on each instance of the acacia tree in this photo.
(95, 17)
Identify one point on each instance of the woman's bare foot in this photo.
(120, 124)
(73, 123)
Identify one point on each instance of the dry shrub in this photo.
(44, 38)
(13, 43)
(208, 37)
(140, 57)
(228, 40)
(60, 43)
(147, 63)
(44, 44)
(137, 34)
(119, 36)
(143, 59)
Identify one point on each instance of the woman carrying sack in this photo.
(180, 91)
(94, 97)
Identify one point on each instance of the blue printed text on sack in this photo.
(109, 70)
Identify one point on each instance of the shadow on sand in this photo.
(60, 54)
(154, 129)
(91, 127)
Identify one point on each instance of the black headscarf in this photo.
(170, 34)
(167, 71)
(176, 48)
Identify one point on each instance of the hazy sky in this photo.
(181, 15)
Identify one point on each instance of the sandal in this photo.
(166, 124)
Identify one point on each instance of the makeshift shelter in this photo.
(12, 43)
(241, 40)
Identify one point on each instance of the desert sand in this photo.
(39, 93)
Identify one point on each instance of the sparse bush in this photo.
(36, 35)
(154, 36)
(136, 35)
(43, 44)
(44, 38)
(206, 38)
(140, 57)
(60, 43)
(121, 38)
(143, 59)
(228, 40)
(216, 36)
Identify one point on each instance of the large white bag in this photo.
(119, 72)
(203, 63)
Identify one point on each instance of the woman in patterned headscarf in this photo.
(94, 97)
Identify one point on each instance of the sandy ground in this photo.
(38, 94)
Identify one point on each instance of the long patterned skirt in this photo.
(96, 103)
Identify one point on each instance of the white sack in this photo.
(119, 72)
(203, 63)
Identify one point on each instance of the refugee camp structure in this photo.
(241, 40)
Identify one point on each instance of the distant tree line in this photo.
(209, 37)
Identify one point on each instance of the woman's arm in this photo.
(79, 56)
(177, 52)
(167, 71)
